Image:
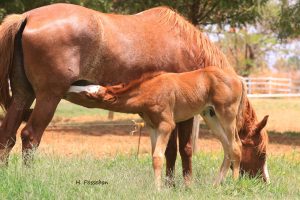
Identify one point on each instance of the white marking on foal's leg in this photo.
(156, 155)
(88, 89)
(266, 173)
(153, 137)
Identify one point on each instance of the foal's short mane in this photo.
(125, 87)
(208, 54)
(247, 120)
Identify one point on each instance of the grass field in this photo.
(54, 176)
(125, 177)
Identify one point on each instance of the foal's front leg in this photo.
(159, 140)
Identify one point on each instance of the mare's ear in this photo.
(261, 124)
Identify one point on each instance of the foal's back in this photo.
(189, 93)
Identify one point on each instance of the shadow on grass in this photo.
(98, 128)
(124, 127)
(287, 137)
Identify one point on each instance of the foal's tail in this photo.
(10, 27)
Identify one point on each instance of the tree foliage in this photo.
(288, 25)
(199, 12)
(202, 12)
(246, 50)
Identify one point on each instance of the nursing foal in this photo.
(162, 99)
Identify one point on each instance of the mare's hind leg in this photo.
(22, 98)
(171, 154)
(214, 124)
(11, 123)
(42, 114)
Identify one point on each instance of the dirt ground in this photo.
(108, 140)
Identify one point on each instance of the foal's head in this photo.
(254, 144)
(105, 94)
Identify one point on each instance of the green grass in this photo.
(53, 177)
(66, 109)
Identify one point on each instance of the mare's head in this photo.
(254, 140)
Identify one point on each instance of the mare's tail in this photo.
(8, 31)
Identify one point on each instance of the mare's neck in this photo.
(208, 54)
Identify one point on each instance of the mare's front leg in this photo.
(159, 140)
(171, 154)
(186, 148)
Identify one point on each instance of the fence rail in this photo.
(269, 87)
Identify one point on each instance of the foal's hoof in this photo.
(3, 164)
(217, 183)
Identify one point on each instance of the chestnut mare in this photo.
(46, 50)
(163, 99)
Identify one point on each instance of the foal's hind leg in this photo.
(41, 116)
(235, 147)
(214, 124)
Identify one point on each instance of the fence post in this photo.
(249, 84)
(290, 85)
(110, 115)
(270, 85)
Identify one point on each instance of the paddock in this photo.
(82, 144)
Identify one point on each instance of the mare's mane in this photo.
(125, 87)
(208, 54)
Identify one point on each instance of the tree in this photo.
(290, 64)
(246, 49)
(199, 12)
(202, 12)
(288, 24)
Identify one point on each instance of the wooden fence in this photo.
(264, 87)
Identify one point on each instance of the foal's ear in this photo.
(262, 124)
